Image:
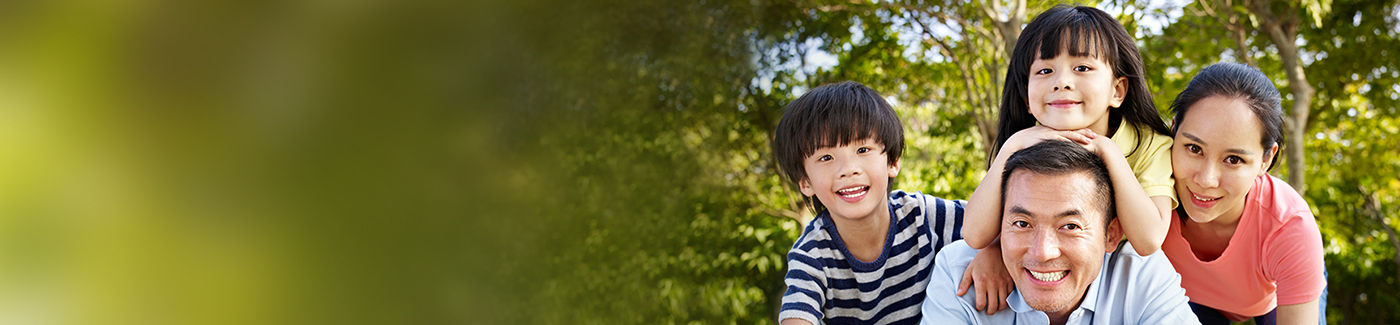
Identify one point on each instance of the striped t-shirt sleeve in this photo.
(805, 293)
(945, 220)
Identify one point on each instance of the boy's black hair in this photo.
(834, 115)
(1077, 31)
(1234, 80)
(1060, 157)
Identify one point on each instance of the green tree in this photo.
(1353, 147)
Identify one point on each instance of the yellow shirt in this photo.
(1152, 163)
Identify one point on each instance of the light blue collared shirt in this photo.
(1130, 289)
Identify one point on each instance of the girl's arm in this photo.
(982, 215)
(1298, 314)
(1145, 219)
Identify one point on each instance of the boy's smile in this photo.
(854, 193)
(844, 178)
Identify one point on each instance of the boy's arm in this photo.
(989, 276)
(795, 321)
(982, 217)
(805, 293)
(1145, 219)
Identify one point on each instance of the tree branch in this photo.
(1373, 210)
(1235, 25)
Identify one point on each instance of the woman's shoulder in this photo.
(1279, 203)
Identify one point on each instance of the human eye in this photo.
(1082, 68)
(863, 150)
(1020, 224)
(1043, 71)
(1071, 226)
(824, 158)
(1234, 160)
(1194, 149)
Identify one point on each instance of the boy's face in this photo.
(851, 180)
(1073, 92)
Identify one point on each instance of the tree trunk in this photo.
(1011, 27)
(1010, 31)
(1284, 34)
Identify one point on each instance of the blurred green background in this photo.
(549, 162)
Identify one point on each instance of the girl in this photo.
(1078, 74)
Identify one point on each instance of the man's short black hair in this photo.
(834, 115)
(1060, 157)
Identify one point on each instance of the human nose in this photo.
(850, 167)
(1044, 246)
(1062, 80)
(1208, 176)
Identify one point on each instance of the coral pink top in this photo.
(1274, 257)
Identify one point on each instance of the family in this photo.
(1093, 209)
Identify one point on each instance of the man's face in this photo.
(1053, 238)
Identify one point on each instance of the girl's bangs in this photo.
(1080, 38)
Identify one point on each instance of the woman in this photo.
(1245, 243)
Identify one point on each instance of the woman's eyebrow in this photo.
(1203, 142)
(1192, 137)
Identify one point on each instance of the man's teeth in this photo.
(853, 192)
(1203, 199)
(1049, 277)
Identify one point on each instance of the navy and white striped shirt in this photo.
(826, 284)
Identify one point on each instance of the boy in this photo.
(866, 257)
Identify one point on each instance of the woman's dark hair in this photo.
(1077, 31)
(834, 115)
(1237, 81)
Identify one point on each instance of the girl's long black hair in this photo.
(1077, 31)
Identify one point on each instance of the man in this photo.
(1061, 242)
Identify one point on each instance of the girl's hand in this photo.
(1035, 134)
(989, 275)
(1104, 147)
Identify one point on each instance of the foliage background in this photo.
(543, 161)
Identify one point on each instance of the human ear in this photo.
(1120, 92)
(1268, 159)
(894, 169)
(1112, 235)
(806, 187)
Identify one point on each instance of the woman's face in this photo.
(1215, 158)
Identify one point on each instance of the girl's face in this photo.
(1074, 92)
(1216, 156)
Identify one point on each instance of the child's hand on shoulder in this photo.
(988, 274)
(1035, 134)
